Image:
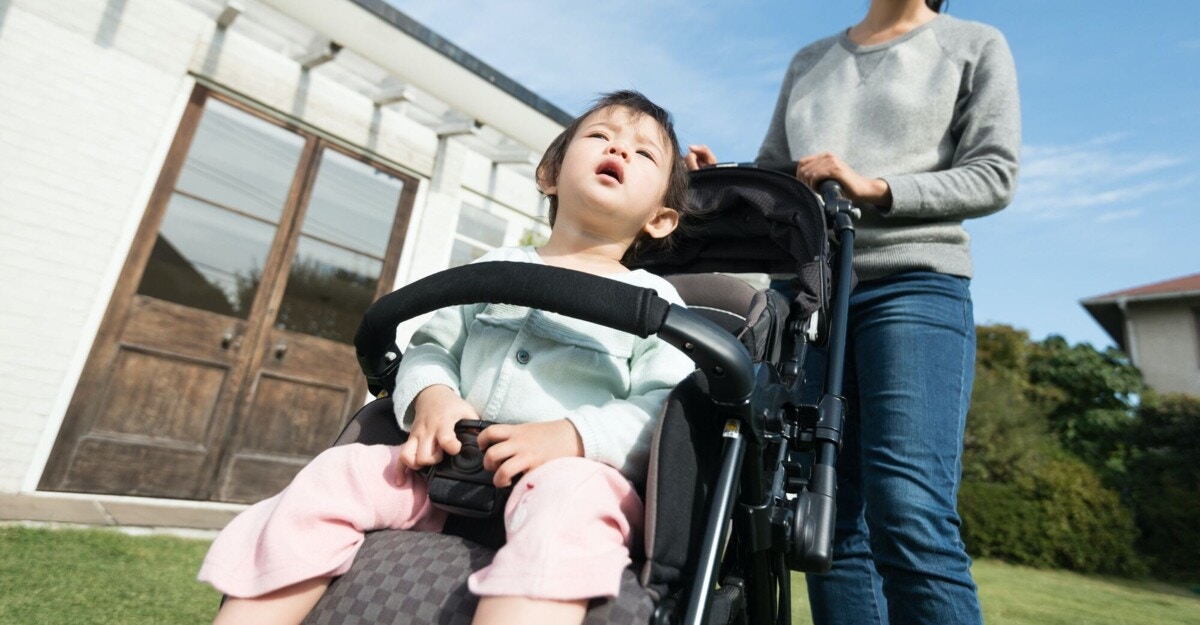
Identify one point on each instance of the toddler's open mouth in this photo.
(611, 168)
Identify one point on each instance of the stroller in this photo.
(741, 482)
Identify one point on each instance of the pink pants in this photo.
(569, 524)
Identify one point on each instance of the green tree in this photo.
(1006, 429)
(1090, 397)
(1024, 497)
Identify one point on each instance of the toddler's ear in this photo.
(544, 183)
(663, 223)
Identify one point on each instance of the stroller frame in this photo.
(775, 515)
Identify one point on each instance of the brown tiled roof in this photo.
(1185, 284)
(1107, 309)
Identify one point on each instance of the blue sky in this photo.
(1110, 95)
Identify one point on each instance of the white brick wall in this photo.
(89, 104)
(91, 92)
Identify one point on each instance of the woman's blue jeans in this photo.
(910, 364)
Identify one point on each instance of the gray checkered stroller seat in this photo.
(732, 503)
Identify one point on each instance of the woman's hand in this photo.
(817, 168)
(699, 156)
(436, 409)
(511, 450)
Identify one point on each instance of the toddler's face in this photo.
(617, 167)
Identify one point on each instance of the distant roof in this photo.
(1179, 287)
(416, 30)
(1107, 309)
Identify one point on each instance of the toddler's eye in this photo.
(597, 135)
(647, 154)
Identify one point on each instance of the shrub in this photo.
(998, 521)
(1165, 479)
(1056, 514)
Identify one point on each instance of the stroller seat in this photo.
(427, 583)
(728, 511)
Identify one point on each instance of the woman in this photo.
(916, 114)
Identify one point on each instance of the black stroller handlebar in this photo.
(830, 190)
(584, 296)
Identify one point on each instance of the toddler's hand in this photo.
(511, 450)
(436, 409)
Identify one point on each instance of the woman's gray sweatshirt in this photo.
(935, 113)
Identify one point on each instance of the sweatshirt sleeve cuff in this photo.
(906, 196)
(600, 444)
(588, 435)
(411, 385)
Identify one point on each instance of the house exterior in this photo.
(198, 198)
(1158, 326)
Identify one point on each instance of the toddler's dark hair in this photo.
(676, 195)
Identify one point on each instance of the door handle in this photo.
(227, 339)
(280, 350)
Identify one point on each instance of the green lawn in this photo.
(77, 577)
(1018, 595)
(69, 577)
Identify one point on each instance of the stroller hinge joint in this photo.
(831, 416)
(756, 520)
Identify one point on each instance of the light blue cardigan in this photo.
(517, 365)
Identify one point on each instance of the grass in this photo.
(52, 577)
(101, 577)
(1019, 595)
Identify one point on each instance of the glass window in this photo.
(207, 258)
(217, 231)
(352, 204)
(478, 233)
(241, 162)
(328, 290)
(335, 272)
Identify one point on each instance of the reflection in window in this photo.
(207, 258)
(217, 231)
(328, 291)
(335, 272)
(352, 205)
(463, 253)
(478, 233)
(240, 162)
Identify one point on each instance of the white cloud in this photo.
(1094, 178)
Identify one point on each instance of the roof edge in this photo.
(377, 32)
(1113, 298)
(402, 22)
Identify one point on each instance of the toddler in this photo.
(575, 405)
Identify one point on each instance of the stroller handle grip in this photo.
(584, 296)
(831, 190)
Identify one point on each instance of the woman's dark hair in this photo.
(638, 104)
(936, 5)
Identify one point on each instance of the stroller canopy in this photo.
(750, 220)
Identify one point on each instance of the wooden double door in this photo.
(225, 358)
